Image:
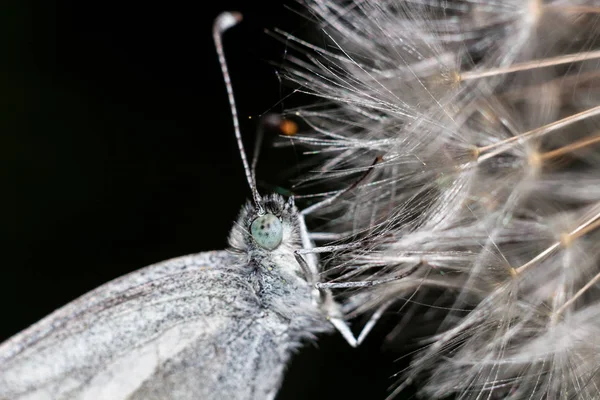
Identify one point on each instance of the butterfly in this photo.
(218, 324)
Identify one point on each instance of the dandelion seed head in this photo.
(485, 205)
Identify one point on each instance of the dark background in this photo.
(117, 146)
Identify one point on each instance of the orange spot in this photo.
(288, 128)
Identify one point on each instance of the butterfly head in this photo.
(269, 227)
(267, 231)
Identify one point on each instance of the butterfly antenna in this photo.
(223, 22)
(260, 132)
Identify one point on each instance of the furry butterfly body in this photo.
(211, 325)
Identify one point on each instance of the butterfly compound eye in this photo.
(267, 231)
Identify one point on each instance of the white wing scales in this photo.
(247, 364)
(187, 328)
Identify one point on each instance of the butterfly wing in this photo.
(187, 328)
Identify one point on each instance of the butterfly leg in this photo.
(372, 321)
(311, 259)
(326, 301)
(331, 308)
(342, 327)
(325, 236)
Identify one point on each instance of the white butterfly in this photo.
(214, 325)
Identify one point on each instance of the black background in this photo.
(117, 148)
